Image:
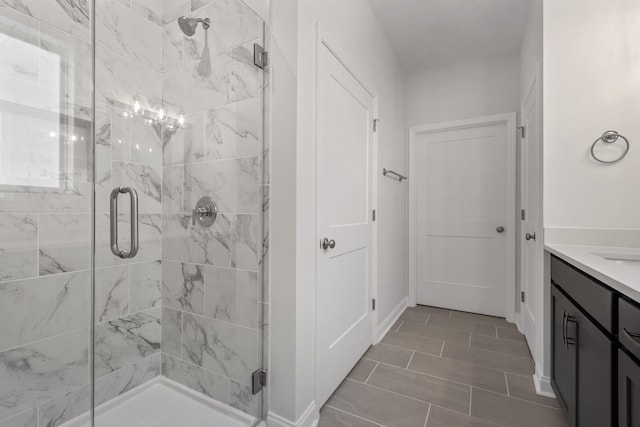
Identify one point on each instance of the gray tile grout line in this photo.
(506, 381)
(371, 373)
(470, 397)
(353, 415)
(410, 359)
(426, 420)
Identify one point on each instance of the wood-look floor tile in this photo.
(413, 342)
(443, 334)
(481, 318)
(510, 334)
(380, 406)
(513, 412)
(517, 348)
(330, 417)
(389, 355)
(490, 359)
(362, 370)
(441, 417)
(522, 387)
(423, 387)
(463, 325)
(462, 372)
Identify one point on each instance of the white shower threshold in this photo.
(162, 402)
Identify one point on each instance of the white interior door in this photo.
(531, 249)
(464, 209)
(344, 180)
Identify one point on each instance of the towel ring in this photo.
(610, 137)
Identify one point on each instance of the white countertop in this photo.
(621, 276)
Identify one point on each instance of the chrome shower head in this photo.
(189, 25)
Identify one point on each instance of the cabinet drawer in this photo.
(629, 326)
(594, 298)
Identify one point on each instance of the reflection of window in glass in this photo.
(41, 148)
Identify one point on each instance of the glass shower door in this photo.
(179, 123)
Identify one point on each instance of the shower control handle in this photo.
(205, 212)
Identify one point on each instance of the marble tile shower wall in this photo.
(211, 300)
(45, 235)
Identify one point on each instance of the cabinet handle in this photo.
(564, 327)
(570, 341)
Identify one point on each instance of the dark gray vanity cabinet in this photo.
(628, 363)
(582, 348)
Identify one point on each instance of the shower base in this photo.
(162, 402)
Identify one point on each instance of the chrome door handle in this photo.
(529, 236)
(500, 229)
(327, 244)
(133, 250)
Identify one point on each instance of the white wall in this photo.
(464, 90)
(592, 76)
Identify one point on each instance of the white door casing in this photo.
(531, 251)
(344, 202)
(462, 191)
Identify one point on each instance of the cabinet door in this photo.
(563, 356)
(628, 391)
(594, 353)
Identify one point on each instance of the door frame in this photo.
(510, 120)
(324, 40)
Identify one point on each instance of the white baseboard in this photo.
(388, 322)
(309, 418)
(543, 385)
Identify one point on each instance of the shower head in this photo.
(189, 25)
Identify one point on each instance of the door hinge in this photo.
(258, 381)
(522, 296)
(373, 215)
(522, 131)
(375, 125)
(373, 304)
(523, 214)
(260, 56)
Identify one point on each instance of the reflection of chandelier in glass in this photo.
(152, 118)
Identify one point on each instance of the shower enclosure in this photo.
(133, 197)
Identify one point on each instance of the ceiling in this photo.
(428, 33)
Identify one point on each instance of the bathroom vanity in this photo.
(595, 335)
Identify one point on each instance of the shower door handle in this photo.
(134, 222)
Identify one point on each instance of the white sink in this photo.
(621, 259)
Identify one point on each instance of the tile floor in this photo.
(438, 368)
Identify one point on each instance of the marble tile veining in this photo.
(65, 240)
(234, 130)
(183, 241)
(146, 285)
(183, 286)
(123, 341)
(112, 293)
(196, 378)
(37, 308)
(231, 295)
(220, 347)
(32, 374)
(18, 246)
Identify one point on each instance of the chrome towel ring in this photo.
(609, 137)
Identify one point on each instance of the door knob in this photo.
(500, 229)
(327, 244)
(529, 236)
